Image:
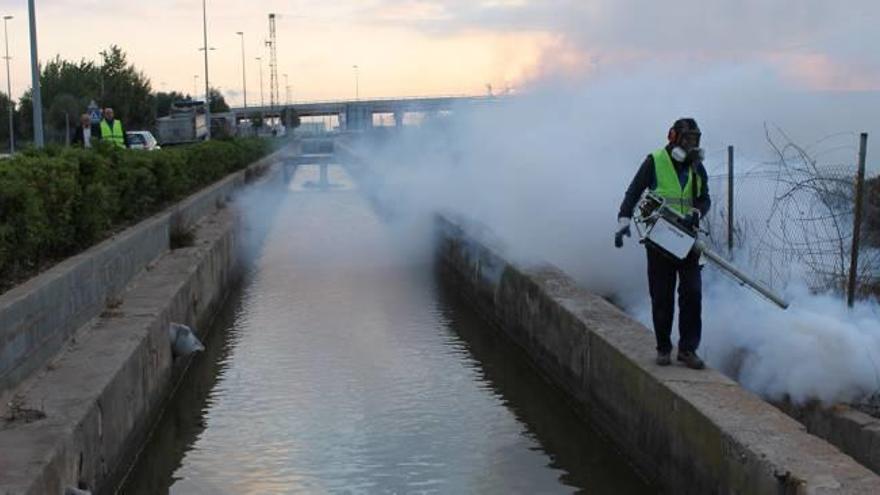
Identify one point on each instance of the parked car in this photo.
(142, 140)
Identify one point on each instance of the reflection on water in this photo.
(342, 366)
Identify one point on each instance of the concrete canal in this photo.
(343, 364)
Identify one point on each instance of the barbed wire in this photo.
(793, 216)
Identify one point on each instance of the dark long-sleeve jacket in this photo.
(79, 138)
(646, 178)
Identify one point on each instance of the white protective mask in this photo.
(678, 154)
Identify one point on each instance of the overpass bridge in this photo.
(358, 114)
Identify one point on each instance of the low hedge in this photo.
(57, 202)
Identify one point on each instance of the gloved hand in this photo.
(692, 221)
(622, 230)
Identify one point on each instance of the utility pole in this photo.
(103, 54)
(357, 91)
(195, 85)
(273, 63)
(35, 79)
(9, 84)
(207, 84)
(286, 90)
(262, 102)
(243, 72)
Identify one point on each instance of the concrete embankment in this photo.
(92, 362)
(852, 431)
(688, 431)
(38, 316)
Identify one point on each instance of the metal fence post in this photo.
(857, 222)
(730, 200)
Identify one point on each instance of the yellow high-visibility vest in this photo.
(114, 135)
(680, 199)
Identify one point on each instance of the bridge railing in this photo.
(372, 100)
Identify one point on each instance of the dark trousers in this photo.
(662, 273)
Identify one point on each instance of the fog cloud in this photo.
(546, 172)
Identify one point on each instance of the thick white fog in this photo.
(546, 171)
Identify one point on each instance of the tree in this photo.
(63, 115)
(114, 83)
(218, 103)
(126, 89)
(4, 122)
(26, 116)
(164, 101)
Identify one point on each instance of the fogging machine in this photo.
(667, 230)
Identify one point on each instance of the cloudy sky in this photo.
(423, 47)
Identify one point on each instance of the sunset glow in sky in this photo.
(405, 47)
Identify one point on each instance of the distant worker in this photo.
(675, 173)
(84, 132)
(112, 131)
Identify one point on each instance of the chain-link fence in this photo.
(794, 218)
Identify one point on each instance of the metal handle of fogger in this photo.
(741, 277)
(653, 208)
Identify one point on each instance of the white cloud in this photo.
(627, 30)
(816, 43)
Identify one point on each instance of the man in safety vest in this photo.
(111, 130)
(676, 173)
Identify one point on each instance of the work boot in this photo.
(691, 360)
(663, 359)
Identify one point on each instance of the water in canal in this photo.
(343, 365)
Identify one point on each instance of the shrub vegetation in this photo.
(59, 201)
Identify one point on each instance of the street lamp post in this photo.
(208, 97)
(9, 84)
(356, 82)
(260, 60)
(195, 85)
(35, 78)
(207, 87)
(103, 54)
(243, 73)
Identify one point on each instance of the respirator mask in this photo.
(687, 146)
(694, 155)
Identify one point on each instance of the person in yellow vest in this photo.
(676, 173)
(111, 130)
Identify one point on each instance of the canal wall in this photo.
(850, 430)
(688, 431)
(94, 363)
(38, 316)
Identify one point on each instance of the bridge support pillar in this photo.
(358, 117)
(398, 119)
(324, 183)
